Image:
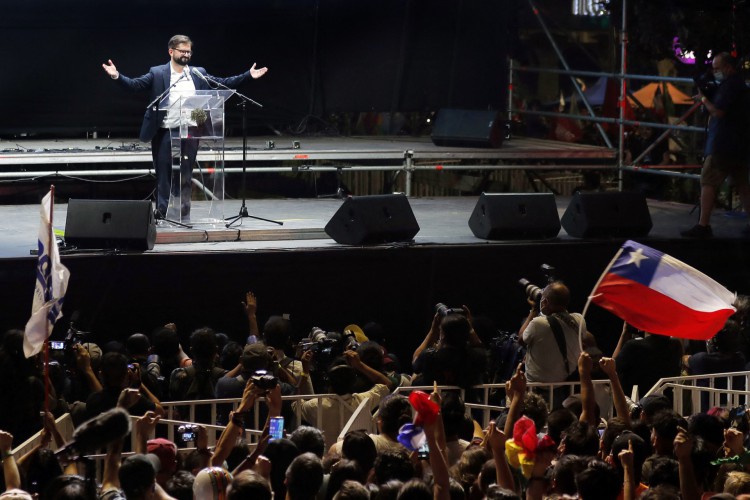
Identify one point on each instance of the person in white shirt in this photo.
(159, 127)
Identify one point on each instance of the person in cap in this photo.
(166, 451)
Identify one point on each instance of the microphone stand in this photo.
(152, 104)
(243, 208)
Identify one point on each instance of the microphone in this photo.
(158, 98)
(97, 432)
(200, 75)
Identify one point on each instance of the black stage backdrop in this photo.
(324, 56)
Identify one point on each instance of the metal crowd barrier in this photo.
(232, 403)
(694, 393)
(689, 395)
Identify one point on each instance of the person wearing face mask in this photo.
(159, 127)
(725, 151)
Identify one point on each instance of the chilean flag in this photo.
(660, 294)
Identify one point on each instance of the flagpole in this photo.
(50, 235)
(588, 300)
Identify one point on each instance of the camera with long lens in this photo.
(444, 310)
(533, 291)
(349, 341)
(318, 335)
(707, 84)
(326, 347)
(264, 380)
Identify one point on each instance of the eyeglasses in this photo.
(186, 52)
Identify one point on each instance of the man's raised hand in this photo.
(110, 68)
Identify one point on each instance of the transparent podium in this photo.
(198, 128)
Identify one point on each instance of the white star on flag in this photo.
(636, 257)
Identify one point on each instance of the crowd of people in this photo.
(423, 448)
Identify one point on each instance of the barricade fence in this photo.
(694, 393)
(689, 394)
(219, 410)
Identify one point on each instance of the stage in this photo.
(90, 150)
(193, 278)
(198, 276)
(442, 221)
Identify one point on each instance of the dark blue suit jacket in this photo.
(156, 81)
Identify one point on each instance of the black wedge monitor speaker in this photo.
(468, 128)
(608, 214)
(509, 216)
(365, 220)
(110, 224)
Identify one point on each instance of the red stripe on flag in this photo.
(654, 312)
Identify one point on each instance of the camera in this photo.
(263, 380)
(57, 345)
(317, 335)
(188, 432)
(533, 291)
(326, 347)
(444, 310)
(350, 341)
(73, 336)
(707, 84)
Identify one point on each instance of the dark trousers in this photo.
(161, 152)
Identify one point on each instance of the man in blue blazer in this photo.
(160, 127)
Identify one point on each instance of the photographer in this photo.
(551, 357)
(198, 381)
(370, 358)
(116, 375)
(138, 350)
(166, 355)
(255, 359)
(451, 353)
(725, 151)
(341, 376)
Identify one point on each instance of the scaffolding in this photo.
(622, 77)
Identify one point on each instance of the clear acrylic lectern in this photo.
(197, 142)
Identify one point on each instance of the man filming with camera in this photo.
(451, 353)
(551, 339)
(340, 375)
(725, 150)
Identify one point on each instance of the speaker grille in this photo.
(609, 214)
(515, 216)
(374, 219)
(110, 224)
